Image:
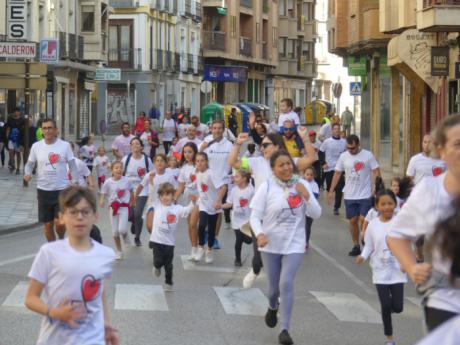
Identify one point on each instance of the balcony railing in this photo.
(245, 46)
(188, 8)
(431, 3)
(129, 58)
(71, 46)
(214, 40)
(264, 51)
(198, 14)
(160, 59)
(200, 65)
(123, 3)
(166, 7)
(190, 64)
(246, 3)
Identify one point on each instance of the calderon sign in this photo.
(18, 50)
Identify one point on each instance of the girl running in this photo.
(309, 176)
(102, 164)
(238, 199)
(173, 168)
(278, 212)
(386, 272)
(187, 185)
(119, 191)
(402, 188)
(87, 150)
(211, 190)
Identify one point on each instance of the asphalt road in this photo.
(336, 302)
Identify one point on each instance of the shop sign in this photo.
(17, 19)
(26, 50)
(439, 61)
(224, 73)
(108, 74)
(49, 50)
(356, 66)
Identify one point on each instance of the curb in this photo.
(18, 228)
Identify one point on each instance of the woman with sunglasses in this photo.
(280, 204)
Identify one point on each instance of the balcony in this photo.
(438, 15)
(169, 61)
(246, 3)
(200, 65)
(160, 60)
(188, 8)
(123, 3)
(71, 46)
(127, 58)
(190, 67)
(198, 14)
(214, 40)
(245, 46)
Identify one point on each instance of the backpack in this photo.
(128, 158)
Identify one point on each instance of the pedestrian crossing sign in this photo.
(355, 88)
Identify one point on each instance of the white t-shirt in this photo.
(313, 186)
(208, 190)
(240, 199)
(201, 131)
(385, 267)
(218, 153)
(169, 129)
(102, 165)
(291, 116)
(187, 175)
(175, 172)
(83, 173)
(76, 276)
(358, 174)
(154, 199)
(123, 144)
(421, 166)
(261, 170)
(165, 222)
(446, 334)
(136, 171)
(181, 143)
(325, 132)
(119, 190)
(146, 137)
(332, 149)
(428, 204)
(283, 216)
(372, 214)
(87, 154)
(182, 129)
(52, 163)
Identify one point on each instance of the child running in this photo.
(309, 176)
(163, 237)
(173, 169)
(86, 151)
(238, 199)
(119, 191)
(102, 164)
(71, 273)
(386, 271)
(187, 185)
(211, 190)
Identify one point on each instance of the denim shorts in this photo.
(359, 207)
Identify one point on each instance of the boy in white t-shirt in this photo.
(102, 164)
(286, 113)
(71, 273)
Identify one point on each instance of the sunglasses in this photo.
(265, 145)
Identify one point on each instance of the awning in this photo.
(410, 52)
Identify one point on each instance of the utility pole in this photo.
(26, 115)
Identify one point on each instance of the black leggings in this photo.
(435, 317)
(210, 221)
(257, 258)
(163, 255)
(167, 145)
(240, 238)
(308, 224)
(391, 301)
(338, 189)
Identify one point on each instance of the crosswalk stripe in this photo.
(347, 307)
(242, 301)
(17, 295)
(191, 266)
(140, 297)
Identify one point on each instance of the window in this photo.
(87, 18)
(120, 43)
(282, 8)
(282, 48)
(291, 49)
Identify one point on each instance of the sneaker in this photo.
(199, 254)
(284, 338)
(209, 257)
(249, 279)
(336, 211)
(156, 271)
(238, 263)
(168, 288)
(271, 317)
(355, 251)
(193, 254)
(216, 244)
(137, 242)
(118, 255)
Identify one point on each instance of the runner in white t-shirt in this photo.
(87, 151)
(102, 164)
(286, 112)
(122, 144)
(182, 127)
(52, 155)
(169, 129)
(191, 137)
(359, 167)
(201, 130)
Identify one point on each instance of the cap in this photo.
(311, 133)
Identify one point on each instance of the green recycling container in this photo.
(211, 112)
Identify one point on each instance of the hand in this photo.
(193, 198)
(27, 178)
(132, 203)
(303, 132)
(68, 313)
(151, 176)
(330, 197)
(218, 205)
(359, 259)
(262, 240)
(204, 145)
(419, 273)
(303, 192)
(111, 335)
(242, 137)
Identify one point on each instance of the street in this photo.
(336, 302)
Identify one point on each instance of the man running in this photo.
(122, 144)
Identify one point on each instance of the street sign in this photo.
(18, 50)
(108, 74)
(206, 86)
(17, 19)
(49, 50)
(355, 88)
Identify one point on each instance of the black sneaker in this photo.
(284, 338)
(336, 211)
(355, 251)
(238, 263)
(271, 318)
(137, 242)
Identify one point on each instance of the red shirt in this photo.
(139, 126)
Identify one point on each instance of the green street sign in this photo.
(356, 66)
(222, 11)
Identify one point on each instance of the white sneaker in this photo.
(168, 288)
(209, 257)
(156, 271)
(199, 254)
(249, 279)
(118, 255)
(193, 254)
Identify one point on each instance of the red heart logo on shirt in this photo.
(294, 200)
(359, 165)
(54, 157)
(437, 171)
(149, 138)
(204, 187)
(90, 287)
(193, 177)
(141, 171)
(170, 218)
(243, 202)
(120, 193)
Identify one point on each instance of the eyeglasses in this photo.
(74, 212)
(265, 145)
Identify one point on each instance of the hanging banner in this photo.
(439, 61)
